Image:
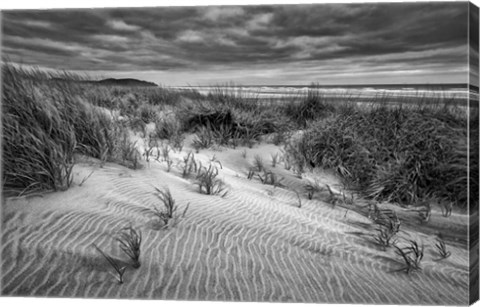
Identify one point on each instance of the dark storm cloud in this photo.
(182, 38)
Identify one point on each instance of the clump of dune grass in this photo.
(147, 113)
(169, 206)
(204, 138)
(170, 128)
(130, 240)
(208, 183)
(46, 119)
(38, 136)
(118, 269)
(270, 178)
(396, 154)
(312, 107)
(169, 211)
(412, 256)
(386, 235)
(232, 119)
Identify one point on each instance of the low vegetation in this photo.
(412, 256)
(168, 215)
(208, 181)
(399, 154)
(404, 154)
(130, 240)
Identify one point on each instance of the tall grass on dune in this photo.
(38, 139)
(46, 119)
(394, 153)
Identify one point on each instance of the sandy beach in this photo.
(254, 244)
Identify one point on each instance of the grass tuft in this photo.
(130, 240)
(412, 256)
(208, 183)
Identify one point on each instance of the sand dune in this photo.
(254, 244)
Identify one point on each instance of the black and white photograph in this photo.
(321, 153)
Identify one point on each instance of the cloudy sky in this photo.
(289, 44)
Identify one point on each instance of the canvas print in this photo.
(320, 153)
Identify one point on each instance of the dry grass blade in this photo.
(86, 178)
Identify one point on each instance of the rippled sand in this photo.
(255, 244)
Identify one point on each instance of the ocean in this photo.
(453, 93)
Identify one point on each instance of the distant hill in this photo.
(125, 82)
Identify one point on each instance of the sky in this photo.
(340, 43)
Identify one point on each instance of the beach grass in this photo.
(402, 153)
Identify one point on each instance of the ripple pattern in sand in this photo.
(244, 247)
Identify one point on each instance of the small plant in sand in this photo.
(189, 165)
(258, 163)
(385, 237)
(412, 256)
(119, 270)
(216, 161)
(389, 226)
(389, 219)
(169, 206)
(251, 173)
(130, 240)
(270, 178)
(169, 211)
(208, 183)
(442, 249)
(447, 207)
